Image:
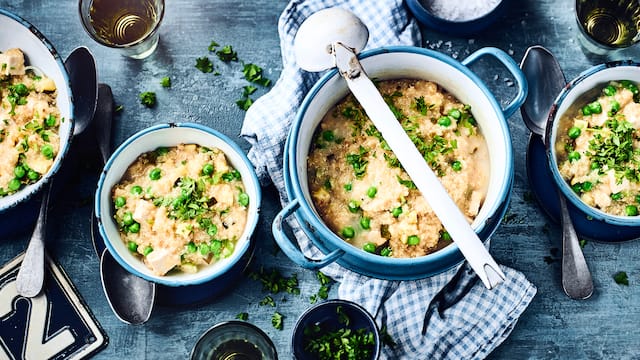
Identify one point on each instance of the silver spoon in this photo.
(546, 80)
(81, 67)
(131, 298)
(331, 38)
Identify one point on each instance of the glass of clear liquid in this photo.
(128, 25)
(608, 25)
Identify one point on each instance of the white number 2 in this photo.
(36, 346)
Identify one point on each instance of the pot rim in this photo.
(249, 227)
(551, 133)
(450, 255)
(11, 201)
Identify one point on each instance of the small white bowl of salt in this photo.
(457, 17)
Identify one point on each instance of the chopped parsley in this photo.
(165, 82)
(227, 54)
(204, 64)
(148, 99)
(253, 73)
(358, 162)
(242, 316)
(277, 320)
(621, 278)
(267, 300)
(274, 282)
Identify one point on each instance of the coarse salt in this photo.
(459, 10)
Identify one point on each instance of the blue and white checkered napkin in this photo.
(448, 316)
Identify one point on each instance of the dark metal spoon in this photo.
(130, 297)
(546, 80)
(81, 67)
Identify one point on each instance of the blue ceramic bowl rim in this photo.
(27, 193)
(443, 255)
(238, 253)
(238, 323)
(551, 134)
(298, 328)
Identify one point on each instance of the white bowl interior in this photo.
(584, 85)
(14, 34)
(149, 140)
(416, 66)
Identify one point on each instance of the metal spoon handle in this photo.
(30, 277)
(576, 278)
(414, 164)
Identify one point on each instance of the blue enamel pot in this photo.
(396, 63)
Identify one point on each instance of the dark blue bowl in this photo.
(459, 28)
(325, 316)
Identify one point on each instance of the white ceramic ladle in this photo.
(331, 38)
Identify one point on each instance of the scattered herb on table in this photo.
(213, 45)
(276, 320)
(274, 282)
(244, 103)
(386, 339)
(582, 243)
(253, 73)
(242, 316)
(148, 98)
(119, 108)
(325, 286)
(204, 64)
(343, 343)
(621, 278)
(165, 82)
(227, 54)
(268, 300)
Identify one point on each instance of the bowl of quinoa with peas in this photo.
(350, 194)
(36, 110)
(177, 204)
(594, 134)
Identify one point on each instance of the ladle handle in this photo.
(416, 167)
(512, 67)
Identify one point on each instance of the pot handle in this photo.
(288, 246)
(512, 67)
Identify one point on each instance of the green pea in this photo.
(207, 169)
(328, 135)
(132, 246)
(577, 188)
(594, 166)
(587, 186)
(14, 184)
(155, 174)
(615, 107)
(162, 151)
(365, 222)
(134, 228)
(444, 121)
(396, 212)
(413, 240)
(456, 165)
(574, 132)
(637, 198)
(136, 190)
(617, 196)
(609, 90)
(353, 206)
(455, 113)
(127, 218)
(631, 210)
(19, 172)
(33, 175)
(348, 232)
(47, 151)
(595, 107)
(348, 187)
(445, 236)
(50, 121)
(191, 247)
(372, 191)
(586, 111)
(21, 89)
(243, 199)
(385, 251)
(204, 249)
(574, 156)
(119, 202)
(630, 86)
(216, 247)
(369, 247)
(147, 250)
(212, 230)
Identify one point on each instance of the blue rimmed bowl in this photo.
(397, 63)
(167, 135)
(584, 88)
(17, 209)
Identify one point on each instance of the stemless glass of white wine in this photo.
(128, 25)
(609, 24)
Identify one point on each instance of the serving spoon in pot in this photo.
(331, 38)
(546, 80)
(81, 67)
(130, 297)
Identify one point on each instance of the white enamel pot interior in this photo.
(168, 135)
(394, 63)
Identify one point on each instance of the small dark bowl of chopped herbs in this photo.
(177, 205)
(593, 148)
(336, 330)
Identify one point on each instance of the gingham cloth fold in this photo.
(447, 316)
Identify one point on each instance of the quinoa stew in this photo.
(359, 188)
